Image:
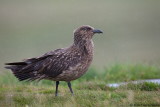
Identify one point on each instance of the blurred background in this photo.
(29, 28)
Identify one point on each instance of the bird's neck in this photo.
(85, 46)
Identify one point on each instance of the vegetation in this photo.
(90, 90)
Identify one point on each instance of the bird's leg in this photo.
(57, 83)
(70, 88)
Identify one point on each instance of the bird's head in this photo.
(85, 32)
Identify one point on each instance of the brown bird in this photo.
(65, 64)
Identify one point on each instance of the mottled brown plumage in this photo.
(64, 64)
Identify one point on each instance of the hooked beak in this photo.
(97, 31)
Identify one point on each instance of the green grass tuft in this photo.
(121, 73)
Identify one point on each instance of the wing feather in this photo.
(49, 65)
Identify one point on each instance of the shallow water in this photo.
(134, 82)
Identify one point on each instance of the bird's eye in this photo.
(88, 28)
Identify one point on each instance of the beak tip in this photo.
(97, 31)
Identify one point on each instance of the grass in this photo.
(90, 90)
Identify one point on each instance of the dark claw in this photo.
(56, 94)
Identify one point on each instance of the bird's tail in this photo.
(17, 70)
(16, 63)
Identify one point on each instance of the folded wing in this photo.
(49, 65)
